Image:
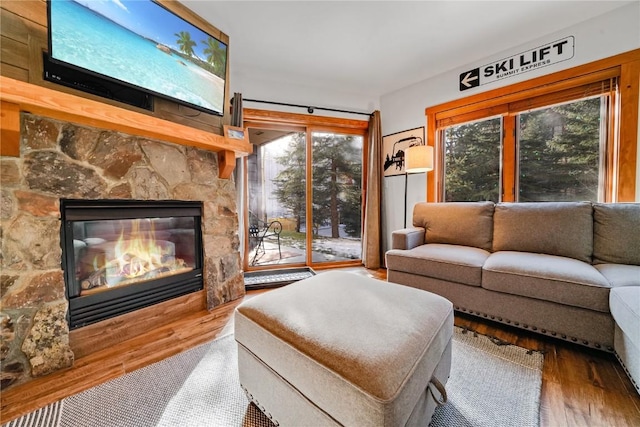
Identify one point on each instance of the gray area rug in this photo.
(491, 384)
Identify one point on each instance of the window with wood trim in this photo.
(549, 149)
(555, 138)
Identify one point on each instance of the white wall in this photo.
(598, 38)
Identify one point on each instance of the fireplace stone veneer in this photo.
(59, 160)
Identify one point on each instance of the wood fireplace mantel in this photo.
(17, 96)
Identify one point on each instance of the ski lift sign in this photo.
(533, 59)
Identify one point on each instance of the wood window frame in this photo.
(621, 166)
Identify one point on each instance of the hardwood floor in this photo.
(580, 387)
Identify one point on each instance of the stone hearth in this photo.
(61, 160)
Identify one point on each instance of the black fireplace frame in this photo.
(87, 309)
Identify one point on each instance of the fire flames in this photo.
(139, 254)
(136, 255)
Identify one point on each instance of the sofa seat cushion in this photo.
(625, 309)
(620, 274)
(461, 264)
(547, 277)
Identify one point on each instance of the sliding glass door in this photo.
(276, 199)
(336, 216)
(304, 190)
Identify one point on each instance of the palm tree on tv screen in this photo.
(215, 55)
(185, 42)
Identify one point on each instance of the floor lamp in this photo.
(418, 158)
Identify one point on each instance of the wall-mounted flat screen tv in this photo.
(141, 44)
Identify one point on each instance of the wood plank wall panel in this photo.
(30, 10)
(15, 53)
(23, 38)
(14, 72)
(15, 27)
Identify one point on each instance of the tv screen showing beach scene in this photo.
(142, 44)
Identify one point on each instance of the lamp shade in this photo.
(419, 158)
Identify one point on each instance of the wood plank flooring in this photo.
(581, 387)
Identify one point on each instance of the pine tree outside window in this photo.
(472, 161)
(559, 154)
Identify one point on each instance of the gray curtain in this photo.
(237, 119)
(236, 110)
(371, 242)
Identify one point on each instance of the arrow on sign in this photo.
(470, 79)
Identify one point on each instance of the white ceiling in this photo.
(376, 47)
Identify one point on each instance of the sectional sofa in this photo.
(570, 270)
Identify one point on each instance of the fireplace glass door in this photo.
(119, 256)
(127, 251)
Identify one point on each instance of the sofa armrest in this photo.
(407, 238)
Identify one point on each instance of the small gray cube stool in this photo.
(344, 349)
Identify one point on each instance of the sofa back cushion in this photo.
(553, 228)
(616, 233)
(456, 223)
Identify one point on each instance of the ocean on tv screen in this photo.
(171, 58)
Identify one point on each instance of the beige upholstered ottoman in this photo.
(344, 349)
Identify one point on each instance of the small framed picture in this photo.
(394, 147)
(235, 132)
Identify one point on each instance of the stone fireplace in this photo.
(59, 160)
